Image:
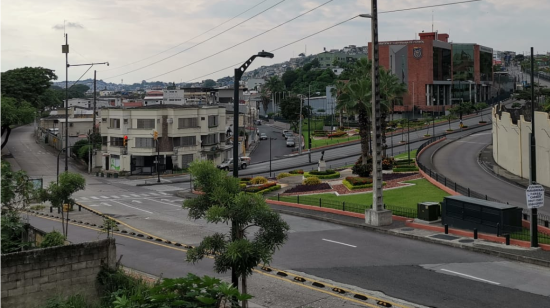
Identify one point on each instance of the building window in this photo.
(116, 141)
(103, 120)
(441, 64)
(209, 139)
(104, 140)
(188, 122)
(142, 142)
(114, 123)
(212, 121)
(146, 123)
(125, 121)
(186, 159)
(185, 141)
(222, 137)
(485, 66)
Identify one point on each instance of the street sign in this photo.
(65, 207)
(535, 196)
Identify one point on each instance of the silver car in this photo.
(290, 142)
(263, 136)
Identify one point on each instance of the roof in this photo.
(170, 106)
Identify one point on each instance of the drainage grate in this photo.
(407, 229)
(466, 241)
(444, 237)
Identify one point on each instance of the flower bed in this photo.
(333, 175)
(353, 183)
(342, 189)
(255, 189)
(308, 188)
(297, 171)
(337, 134)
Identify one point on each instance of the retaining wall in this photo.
(30, 277)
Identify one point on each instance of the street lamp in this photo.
(301, 96)
(65, 50)
(238, 74)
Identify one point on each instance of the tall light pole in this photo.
(377, 215)
(238, 74)
(308, 124)
(270, 154)
(300, 127)
(533, 157)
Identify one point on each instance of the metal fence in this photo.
(524, 234)
(543, 220)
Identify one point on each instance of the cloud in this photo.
(74, 25)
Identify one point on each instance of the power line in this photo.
(200, 43)
(242, 42)
(328, 28)
(223, 23)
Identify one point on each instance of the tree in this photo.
(290, 110)
(289, 77)
(274, 84)
(14, 113)
(265, 99)
(390, 90)
(479, 107)
(60, 193)
(27, 83)
(17, 189)
(53, 239)
(209, 83)
(223, 202)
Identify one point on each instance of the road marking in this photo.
(83, 198)
(154, 194)
(105, 203)
(469, 276)
(95, 198)
(136, 201)
(115, 197)
(339, 243)
(125, 196)
(104, 197)
(135, 195)
(132, 207)
(163, 202)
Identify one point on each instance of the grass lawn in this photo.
(405, 155)
(318, 125)
(406, 197)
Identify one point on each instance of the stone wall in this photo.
(31, 277)
(511, 143)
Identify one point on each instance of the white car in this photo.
(263, 136)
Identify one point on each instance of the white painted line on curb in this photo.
(131, 207)
(469, 276)
(339, 243)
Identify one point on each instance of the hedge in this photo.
(337, 134)
(402, 162)
(297, 171)
(326, 172)
(335, 175)
(353, 187)
(357, 180)
(272, 188)
(405, 169)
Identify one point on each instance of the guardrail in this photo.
(543, 220)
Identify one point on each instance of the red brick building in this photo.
(437, 73)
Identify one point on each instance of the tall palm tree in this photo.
(390, 90)
(358, 93)
(342, 99)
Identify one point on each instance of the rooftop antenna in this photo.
(432, 20)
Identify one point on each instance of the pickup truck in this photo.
(228, 163)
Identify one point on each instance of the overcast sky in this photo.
(125, 31)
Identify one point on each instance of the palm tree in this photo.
(390, 89)
(358, 100)
(342, 99)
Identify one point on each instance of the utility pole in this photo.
(309, 124)
(533, 157)
(299, 132)
(93, 123)
(65, 50)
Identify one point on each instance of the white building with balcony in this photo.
(185, 133)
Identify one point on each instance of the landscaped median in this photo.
(258, 185)
(323, 175)
(352, 182)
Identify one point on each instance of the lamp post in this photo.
(533, 158)
(238, 74)
(64, 149)
(300, 126)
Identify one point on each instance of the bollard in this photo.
(51, 209)
(79, 208)
(320, 202)
(344, 206)
(498, 229)
(298, 199)
(455, 186)
(507, 239)
(278, 197)
(58, 210)
(475, 233)
(446, 229)
(486, 197)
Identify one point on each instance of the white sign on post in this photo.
(535, 196)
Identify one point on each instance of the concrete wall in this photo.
(31, 277)
(511, 144)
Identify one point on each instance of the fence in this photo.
(543, 220)
(345, 206)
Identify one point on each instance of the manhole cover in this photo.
(466, 241)
(444, 237)
(407, 229)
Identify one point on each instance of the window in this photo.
(142, 142)
(126, 121)
(209, 139)
(116, 141)
(186, 160)
(104, 140)
(146, 123)
(187, 122)
(441, 64)
(104, 120)
(185, 141)
(212, 121)
(485, 66)
(463, 62)
(114, 123)
(222, 137)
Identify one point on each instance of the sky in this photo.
(131, 34)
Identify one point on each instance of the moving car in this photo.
(289, 134)
(228, 163)
(290, 142)
(284, 132)
(263, 136)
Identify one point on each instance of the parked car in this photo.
(284, 132)
(263, 136)
(259, 122)
(289, 134)
(228, 163)
(290, 142)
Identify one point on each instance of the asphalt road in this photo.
(278, 146)
(458, 161)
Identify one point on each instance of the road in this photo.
(458, 161)
(278, 146)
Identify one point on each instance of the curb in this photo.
(510, 256)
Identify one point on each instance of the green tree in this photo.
(14, 113)
(223, 202)
(27, 83)
(391, 89)
(61, 193)
(265, 99)
(17, 189)
(290, 110)
(53, 239)
(479, 108)
(209, 83)
(289, 77)
(12, 231)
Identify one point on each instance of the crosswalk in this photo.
(123, 196)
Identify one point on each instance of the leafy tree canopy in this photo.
(209, 83)
(27, 83)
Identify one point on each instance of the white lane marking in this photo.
(104, 197)
(340, 243)
(83, 198)
(163, 202)
(154, 194)
(469, 276)
(115, 197)
(95, 198)
(135, 195)
(144, 195)
(104, 203)
(136, 201)
(132, 207)
(162, 193)
(125, 196)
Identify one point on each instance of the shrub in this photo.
(307, 188)
(352, 187)
(355, 180)
(245, 179)
(53, 239)
(297, 171)
(258, 180)
(360, 169)
(337, 134)
(311, 181)
(387, 163)
(242, 186)
(283, 175)
(322, 176)
(405, 169)
(255, 189)
(272, 188)
(326, 172)
(402, 162)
